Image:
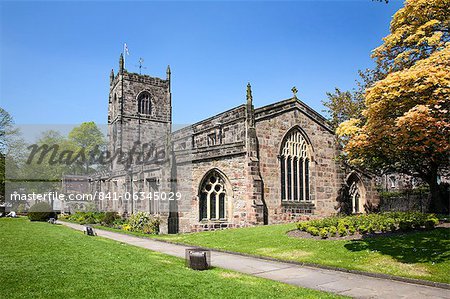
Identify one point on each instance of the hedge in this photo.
(370, 223)
(41, 211)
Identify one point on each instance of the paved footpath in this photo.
(349, 284)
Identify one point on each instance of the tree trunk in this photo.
(436, 200)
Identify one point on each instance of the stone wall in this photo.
(233, 171)
(418, 201)
(216, 143)
(273, 122)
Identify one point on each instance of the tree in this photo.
(345, 105)
(2, 178)
(88, 138)
(7, 134)
(7, 130)
(54, 155)
(342, 106)
(417, 30)
(47, 165)
(407, 125)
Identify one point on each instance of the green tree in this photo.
(7, 130)
(8, 134)
(42, 171)
(88, 138)
(2, 178)
(345, 105)
(342, 106)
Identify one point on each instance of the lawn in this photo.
(41, 260)
(422, 255)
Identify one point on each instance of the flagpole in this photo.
(124, 55)
(125, 52)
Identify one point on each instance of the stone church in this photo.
(245, 166)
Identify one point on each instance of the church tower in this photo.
(139, 111)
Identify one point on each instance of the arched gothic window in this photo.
(212, 197)
(355, 197)
(294, 165)
(144, 103)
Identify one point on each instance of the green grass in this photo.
(40, 260)
(422, 255)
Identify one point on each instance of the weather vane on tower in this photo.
(141, 62)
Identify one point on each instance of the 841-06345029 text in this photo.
(97, 195)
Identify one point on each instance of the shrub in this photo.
(141, 220)
(332, 230)
(431, 222)
(370, 223)
(329, 221)
(351, 230)
(21, 208)
(151, 228)
(302, 225)
(345, 222)
(89, 217)
(86, 217)
(342, 231)
(381, 228)
(405, 225)
(41, 211)
(118, 223)
(109, 218)
(390, 225)
(418, 223)
(313, 230)
(323, 233)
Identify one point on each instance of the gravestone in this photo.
(198, 258)
(90, 231)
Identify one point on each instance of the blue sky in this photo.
(56, 56)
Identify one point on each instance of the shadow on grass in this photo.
(415, 247)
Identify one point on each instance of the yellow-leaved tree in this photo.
(406, 125)
(418, 29)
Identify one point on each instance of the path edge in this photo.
(416, 281)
